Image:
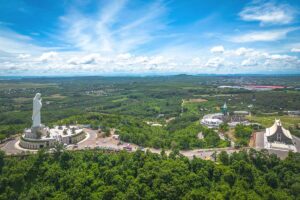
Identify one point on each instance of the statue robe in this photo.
(36, 114)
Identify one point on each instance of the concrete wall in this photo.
(37, 144)
(77, 138)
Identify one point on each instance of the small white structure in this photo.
(235, 123)
(153, 124)
(40, 136)
(241, 112)
(116, 137)
(277, 137)
(293, 113)
(212, 120)
(215, 119)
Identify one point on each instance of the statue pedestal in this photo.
(36, 132)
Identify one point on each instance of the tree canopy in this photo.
(94, 174)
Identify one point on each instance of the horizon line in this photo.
(144, 75)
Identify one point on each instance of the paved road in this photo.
(93, 141)
(297, 141)
(259, 140)
(109, 142)
(206, 153)
(10, 148)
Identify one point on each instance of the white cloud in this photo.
(215, 62)
(246, 52)
(295, 50)
(217, 49)
(281, 57)
(242, 51)
(257, 60)
(115, 40)
(156, 60)
(141, 59)
(249, 62)
(231, 61)
(24, 56)
(124, 56)
(48, 56)
(93, 58)
(12, 42)
(196, 61)
(262, 36)
(268, 13)
(114, 30)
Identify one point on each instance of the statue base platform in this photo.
(37, 128)
(36, 132)
(43, 136)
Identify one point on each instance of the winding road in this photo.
(93, 141)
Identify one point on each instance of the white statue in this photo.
(36, 114)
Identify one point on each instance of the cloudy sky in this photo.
(113, 37)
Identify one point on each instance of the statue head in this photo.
(38, 96)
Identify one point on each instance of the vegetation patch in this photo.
(242, 134)
(199, 100)
(139, 99)
(267, 121)
(56, 96)
(96, 174)
(25, 85)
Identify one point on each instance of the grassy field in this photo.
(22, 99)
(120, 99)
(5, 86)
(267, 121)
(56, 96)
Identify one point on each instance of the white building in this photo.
(277, 137)
(212, 120)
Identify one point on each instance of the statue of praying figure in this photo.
(36, 114)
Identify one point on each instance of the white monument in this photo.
(40, 136)
(36, 114)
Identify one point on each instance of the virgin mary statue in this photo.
(36, 114)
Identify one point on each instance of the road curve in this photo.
(93, 141)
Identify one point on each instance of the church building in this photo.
(277, 133)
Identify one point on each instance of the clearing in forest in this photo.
(268, 121)
(199, 100)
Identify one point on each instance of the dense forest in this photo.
(180, 133)
(143, 175)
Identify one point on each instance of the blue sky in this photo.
(112, 37)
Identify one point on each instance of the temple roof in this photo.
(277, 126)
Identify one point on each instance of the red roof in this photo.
(266, 86)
